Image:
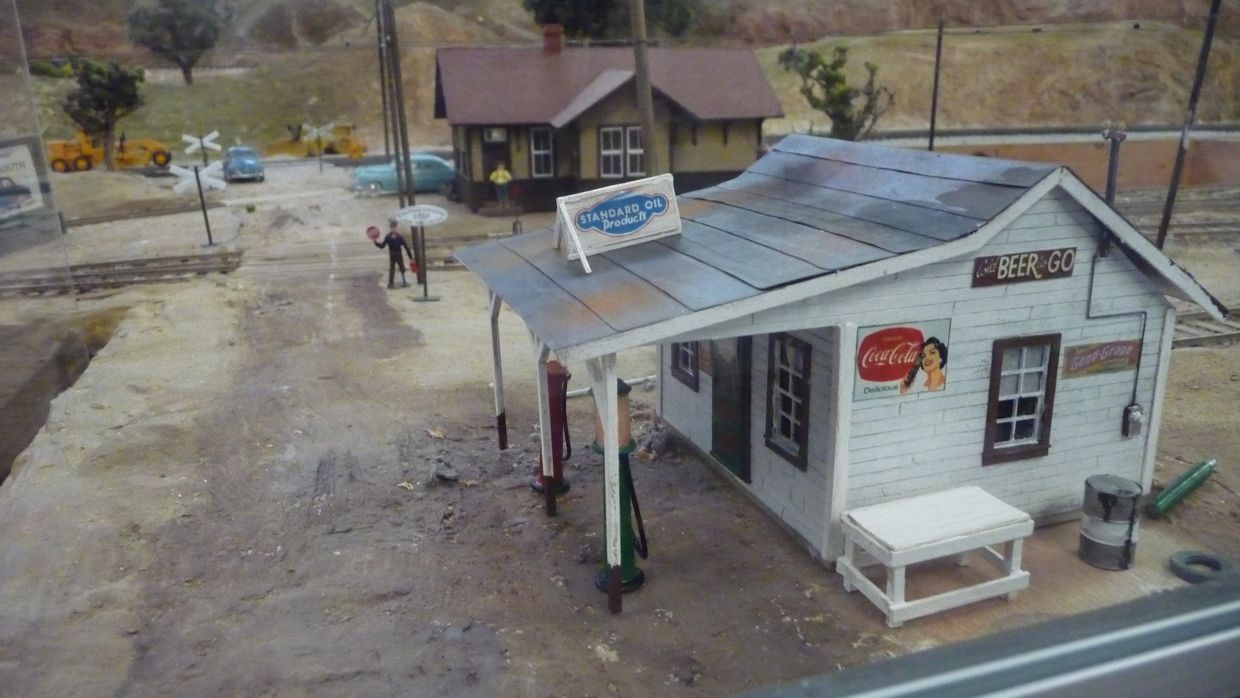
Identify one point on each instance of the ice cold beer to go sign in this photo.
(1035, 265)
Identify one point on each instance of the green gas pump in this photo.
(631, 546)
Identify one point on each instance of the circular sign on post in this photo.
(373, 233)
(423, 215)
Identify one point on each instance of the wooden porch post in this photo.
(541, 353)
(497, 370)
(603, 376)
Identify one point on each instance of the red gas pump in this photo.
(561, 441)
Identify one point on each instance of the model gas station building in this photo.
(935, 343)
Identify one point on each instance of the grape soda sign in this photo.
(894, 360)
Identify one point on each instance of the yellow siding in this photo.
(711, 154)
(519, 151)
(619, 109)
(475, 155)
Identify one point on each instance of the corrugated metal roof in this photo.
(530, 86)
(810, 207)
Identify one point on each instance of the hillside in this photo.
(1044, 75)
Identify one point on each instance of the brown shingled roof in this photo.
(531, 86)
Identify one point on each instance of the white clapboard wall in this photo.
(904, 446)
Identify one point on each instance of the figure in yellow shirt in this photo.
(500, 178)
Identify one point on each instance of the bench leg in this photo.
(850, 554)
(1011, 560)
(895, 593)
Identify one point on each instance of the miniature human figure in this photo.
(931, 359)
(396, 259)
(500, 178)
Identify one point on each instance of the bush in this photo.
(51, 69)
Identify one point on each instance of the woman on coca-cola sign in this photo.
(931, 359)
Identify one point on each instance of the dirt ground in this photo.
(237, 497)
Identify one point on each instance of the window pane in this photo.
(1011, 358)
(1031, 382)
(1025, 428)
(785, 426)
(1027, 406)
(1003, 432)
(785, 404)
(1035, 356)
(635, 138)
(1009, 384)
(1005, 408)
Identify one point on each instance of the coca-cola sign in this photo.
(896, 360)
(888, 354)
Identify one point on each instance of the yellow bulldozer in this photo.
(343, 141)
(82, 153)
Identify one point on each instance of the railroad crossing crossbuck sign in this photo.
(200, 142)
(208, 176)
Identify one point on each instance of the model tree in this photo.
(853, 110)
(609, 19)
(105, 94)
(180, 31)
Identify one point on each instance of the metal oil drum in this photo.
(1109, 522)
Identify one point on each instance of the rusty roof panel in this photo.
(883, 236)
(972, 199)
(621, 298)
(944, 165)
(824, 250)
(756, 265)
(692, 283)
(939, 225)
(548, 310)
(804, 210)
(509, 85)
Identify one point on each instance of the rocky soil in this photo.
(241, 495)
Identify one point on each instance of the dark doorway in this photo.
(730, 404)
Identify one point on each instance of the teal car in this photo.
(430, 173)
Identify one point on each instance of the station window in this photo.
(1022, 398)
(622, 152)
(542, 154)
(684, 367)
(787, 398)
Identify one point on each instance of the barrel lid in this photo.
(1114, 485)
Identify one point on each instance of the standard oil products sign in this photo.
(896, 360)
(616, 216)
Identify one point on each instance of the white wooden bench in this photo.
(949, 523)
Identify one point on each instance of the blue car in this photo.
(243, 163)
(430, 173)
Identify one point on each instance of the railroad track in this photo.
(1198, 329)
(88, 277)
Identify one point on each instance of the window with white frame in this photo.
(611, 152)
(684, 366)
(622, 152)
(635, 152)
(542, 155)
(787, 398)
(1022, 398)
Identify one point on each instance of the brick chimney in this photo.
(553, 38)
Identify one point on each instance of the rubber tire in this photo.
(1195, 566)
(160, 158)
(82, 163)
(59, 165)
(374, 188)
(445, 188)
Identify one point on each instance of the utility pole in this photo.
(383, 79)
(1189, 118)
(934, 96)
(645, 101)
(400, 132)
(1115, 136)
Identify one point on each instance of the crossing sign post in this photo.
(206, 177)
(201, 143)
